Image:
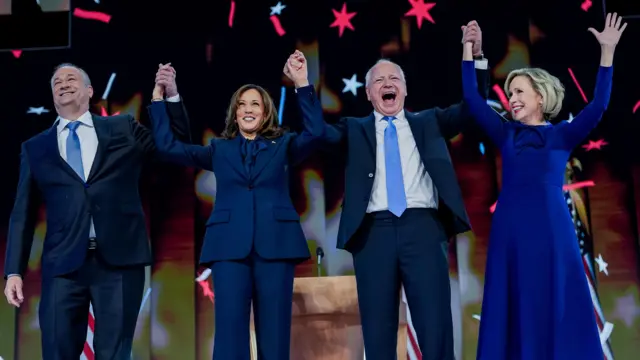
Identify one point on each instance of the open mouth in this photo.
(64, 93)
(388, 98)
(248, 118)
(517, 109)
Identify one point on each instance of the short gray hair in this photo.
(85, 76)
(367, 77)
(546, 85)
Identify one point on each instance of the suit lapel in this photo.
(103, 132)
(53, 152)
(264, 157)
(231, 150)
(369, 128)
(416, 130)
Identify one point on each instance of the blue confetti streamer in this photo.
(283, 97)
(482, 148)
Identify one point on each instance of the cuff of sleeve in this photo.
(175, 98)
(305, 90)
(482, 64)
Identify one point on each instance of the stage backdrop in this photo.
(216, 46)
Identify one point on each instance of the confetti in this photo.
(37, 110)
(586, 5)
(606, 333)
(204, 275)
(204, 284)
(277, 10)
(602, 265)
(232, 12)
(343, 20)
(421, 11)
(276, 25)
(636, 106)
(103, 112)
(283, 98)
(575, 81)
(92, 15)
(351, 85)
(482, 148)
(16, 53)
(597, 145)
(107, 90)
(501, 96)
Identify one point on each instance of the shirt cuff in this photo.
(305, 89)
(175, 98)
(482, 64)
(12, 275)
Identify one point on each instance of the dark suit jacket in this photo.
(252, 211)
(110, 195)
(431, 129)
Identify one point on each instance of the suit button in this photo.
(370, 175)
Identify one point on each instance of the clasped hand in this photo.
(165, 82)
(295, 68)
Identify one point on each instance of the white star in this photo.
(602, 265)
(351, 85)
(277, 10)
(38, 110)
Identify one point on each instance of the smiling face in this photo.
(249, 113)
(525, 101)
(387, 88)
(70, 89)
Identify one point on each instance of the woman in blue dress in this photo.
(537, 304)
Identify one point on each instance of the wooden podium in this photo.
(326, 321)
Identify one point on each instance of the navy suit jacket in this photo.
(431, 129)
(110, 195)
(251, 211)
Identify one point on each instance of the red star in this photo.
(421, 11)
(343, 19)
(597, 145)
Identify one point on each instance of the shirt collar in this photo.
(85, 119)
(400, 116)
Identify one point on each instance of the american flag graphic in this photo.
(87, 353)
(578, 211)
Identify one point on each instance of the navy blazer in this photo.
(251, 211)
(431, 129)
(110, 195)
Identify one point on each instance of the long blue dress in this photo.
(537, 304)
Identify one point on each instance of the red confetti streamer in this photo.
(206, 289)
(232, 12)
(92, 15)
(575, 81)
(636, 106)
(16, 53)
(567, 187)
(586, 5)
(597, 145)
(276, 25)
(502, 97)
(103, 112)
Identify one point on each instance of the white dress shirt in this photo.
(418, 186)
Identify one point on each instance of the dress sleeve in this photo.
(489, 120)
(574, 132)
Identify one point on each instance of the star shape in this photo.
(277, 10)
(626, 309)
(351, 85)
(37, 110)
(343, 19)
(602, 265)
(597, 145)
(421, 11)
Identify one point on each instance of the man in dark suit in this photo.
(86, 170)
(401, 204)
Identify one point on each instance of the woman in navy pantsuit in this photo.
(253, 237)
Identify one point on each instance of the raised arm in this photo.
(577, 130)
(295, 68)
(485, 116)
(457, 118)
(168, 148)
(22, 221)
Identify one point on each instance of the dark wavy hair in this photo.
(269, 129)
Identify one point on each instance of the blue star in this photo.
(351, 85)
(277, 10)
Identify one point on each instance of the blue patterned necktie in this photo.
(74, 153)
(395, 183)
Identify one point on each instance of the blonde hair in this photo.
(546, 85)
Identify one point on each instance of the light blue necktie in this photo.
(74, 153)
(74, 159)
(395, 183)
